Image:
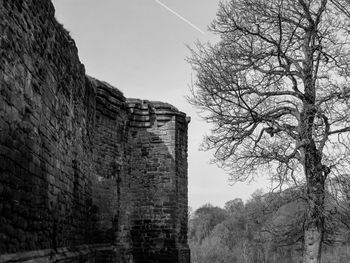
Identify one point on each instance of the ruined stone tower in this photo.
(86, 175)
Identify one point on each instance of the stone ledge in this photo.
(141, 112)
(110, 101)
(51, 255)
(158, 107)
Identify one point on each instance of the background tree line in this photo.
(268, 228)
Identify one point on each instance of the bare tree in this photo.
(275, 87)
(343, 6)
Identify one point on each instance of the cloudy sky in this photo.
(139, 46)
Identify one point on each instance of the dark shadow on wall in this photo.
(44, 176)
(23, 191)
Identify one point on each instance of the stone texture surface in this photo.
(86, 175)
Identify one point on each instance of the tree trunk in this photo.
(313, 168)
(314, 225)
(312, 245)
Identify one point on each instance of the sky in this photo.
(140, 47)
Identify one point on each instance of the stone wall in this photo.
(86, 175)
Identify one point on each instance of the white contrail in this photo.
(179, 16)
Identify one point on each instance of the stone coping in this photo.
(137, 106)
(110, 96)
(51, 255)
